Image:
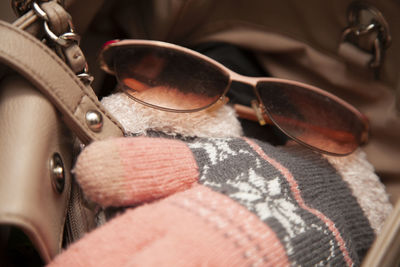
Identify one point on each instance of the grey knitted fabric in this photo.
(295, 191)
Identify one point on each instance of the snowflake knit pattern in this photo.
(220, 202)
(298, 195)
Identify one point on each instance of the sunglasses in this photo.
(176, 79)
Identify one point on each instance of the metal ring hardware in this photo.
(365, 20)
(377, 21)
(40, 12)
(84, 76)
(57, 173)
(64, 40)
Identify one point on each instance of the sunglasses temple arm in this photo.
(249, 113)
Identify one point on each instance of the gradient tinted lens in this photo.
(312, 118)
(168, 78)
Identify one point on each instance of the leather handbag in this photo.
(49, 110)
(47, 106)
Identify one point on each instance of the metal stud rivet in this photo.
(94, 120)
(57, 173)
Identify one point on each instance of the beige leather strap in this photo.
(30, 23)
(57, 15)
(82, 13)
(41, 66)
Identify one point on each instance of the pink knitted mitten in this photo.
(220, 202)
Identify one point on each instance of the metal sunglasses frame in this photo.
(106, 59)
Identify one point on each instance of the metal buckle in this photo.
(367, 21)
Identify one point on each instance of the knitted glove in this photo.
(231, 202)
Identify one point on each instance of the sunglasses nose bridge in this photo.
(236, 77)
(251, 81)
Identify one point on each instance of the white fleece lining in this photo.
(366, 186)
(137, 119)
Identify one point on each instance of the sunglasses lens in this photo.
(168, 78)
(312, 118)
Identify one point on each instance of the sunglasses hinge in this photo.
(257, 109)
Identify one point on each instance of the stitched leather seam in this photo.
(68, 71)
(66, 107)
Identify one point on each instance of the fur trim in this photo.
(366, 186)
(138, 119)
